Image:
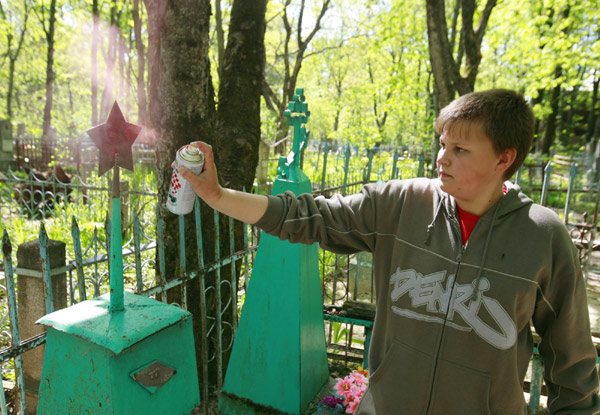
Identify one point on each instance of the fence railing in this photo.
(343, 277)
(82, 271)
(79, 153)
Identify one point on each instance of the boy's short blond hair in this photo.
(505, 116)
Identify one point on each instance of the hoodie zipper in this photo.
(458, 239)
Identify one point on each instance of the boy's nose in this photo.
(441, 157)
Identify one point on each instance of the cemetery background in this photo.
(79, 265)
(372, 78)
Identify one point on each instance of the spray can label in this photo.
(181, 197)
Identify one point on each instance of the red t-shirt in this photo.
(467, 223)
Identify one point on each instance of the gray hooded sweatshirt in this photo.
(452, 332)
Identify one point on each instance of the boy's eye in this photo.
(460, 150)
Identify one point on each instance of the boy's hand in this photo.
(246, 207)
(206, 184)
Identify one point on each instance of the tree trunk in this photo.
(220, 37)
(292, 68)
(538, 124)
(12, 57)
(11, 83)
(446, 70)
(179, 71)
(49, 70)
(108, 93)
(141, 65)
(550, 128)
(182, 109)
(121, 52)
(94, 69)
(592, 114)
(238, 137)
(440, 52)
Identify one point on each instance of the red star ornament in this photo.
(115, 136)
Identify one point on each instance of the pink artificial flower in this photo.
(343, 386)
(358, 391)
(351, 408)
(358, 378)
(352, 388)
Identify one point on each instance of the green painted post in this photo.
(546, 184)
(43, 236)
(279, 357)
(119, 353)
(421, 165)
(137, 237)
(14, 323)
(160, 247)
(535, 388)
(116, 258)
(519, 175)
(78, 259)
(367, 176)
(325, 153)
(346, 165)
(395, 164)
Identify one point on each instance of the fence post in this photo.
(325, 152)
(547, 172)
(395, 164)
(367, 176)
(6, 146)
(32, 305)
(346, 163)
(570, 191)
(421, 166)
(519, 175)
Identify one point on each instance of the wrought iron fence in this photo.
(88, 268)
(344, 278)
(77, 153)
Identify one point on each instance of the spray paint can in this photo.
(181, 197)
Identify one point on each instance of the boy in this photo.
(463, 264)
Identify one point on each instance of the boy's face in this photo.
(469, 168)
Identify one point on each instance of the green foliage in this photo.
(366, 70)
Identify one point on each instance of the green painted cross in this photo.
(297, 116)
(279, 359)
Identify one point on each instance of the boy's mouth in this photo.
(444, 175)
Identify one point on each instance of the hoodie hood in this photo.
(512, 200)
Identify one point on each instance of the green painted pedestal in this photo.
(137, 361)
(279, 358)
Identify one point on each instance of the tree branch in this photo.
(41, 18)
(23, 30)
(317, 27)
(271, 99)
(339, 45)
(485, 17)
(454, 24)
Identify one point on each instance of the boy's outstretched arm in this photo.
(246, 207)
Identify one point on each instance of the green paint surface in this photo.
(116, 258)
(86, 372)
(93, 321)
(279, 357)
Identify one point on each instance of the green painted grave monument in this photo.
(279, 359)
(119, 353)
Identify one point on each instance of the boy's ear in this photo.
(507, 158)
